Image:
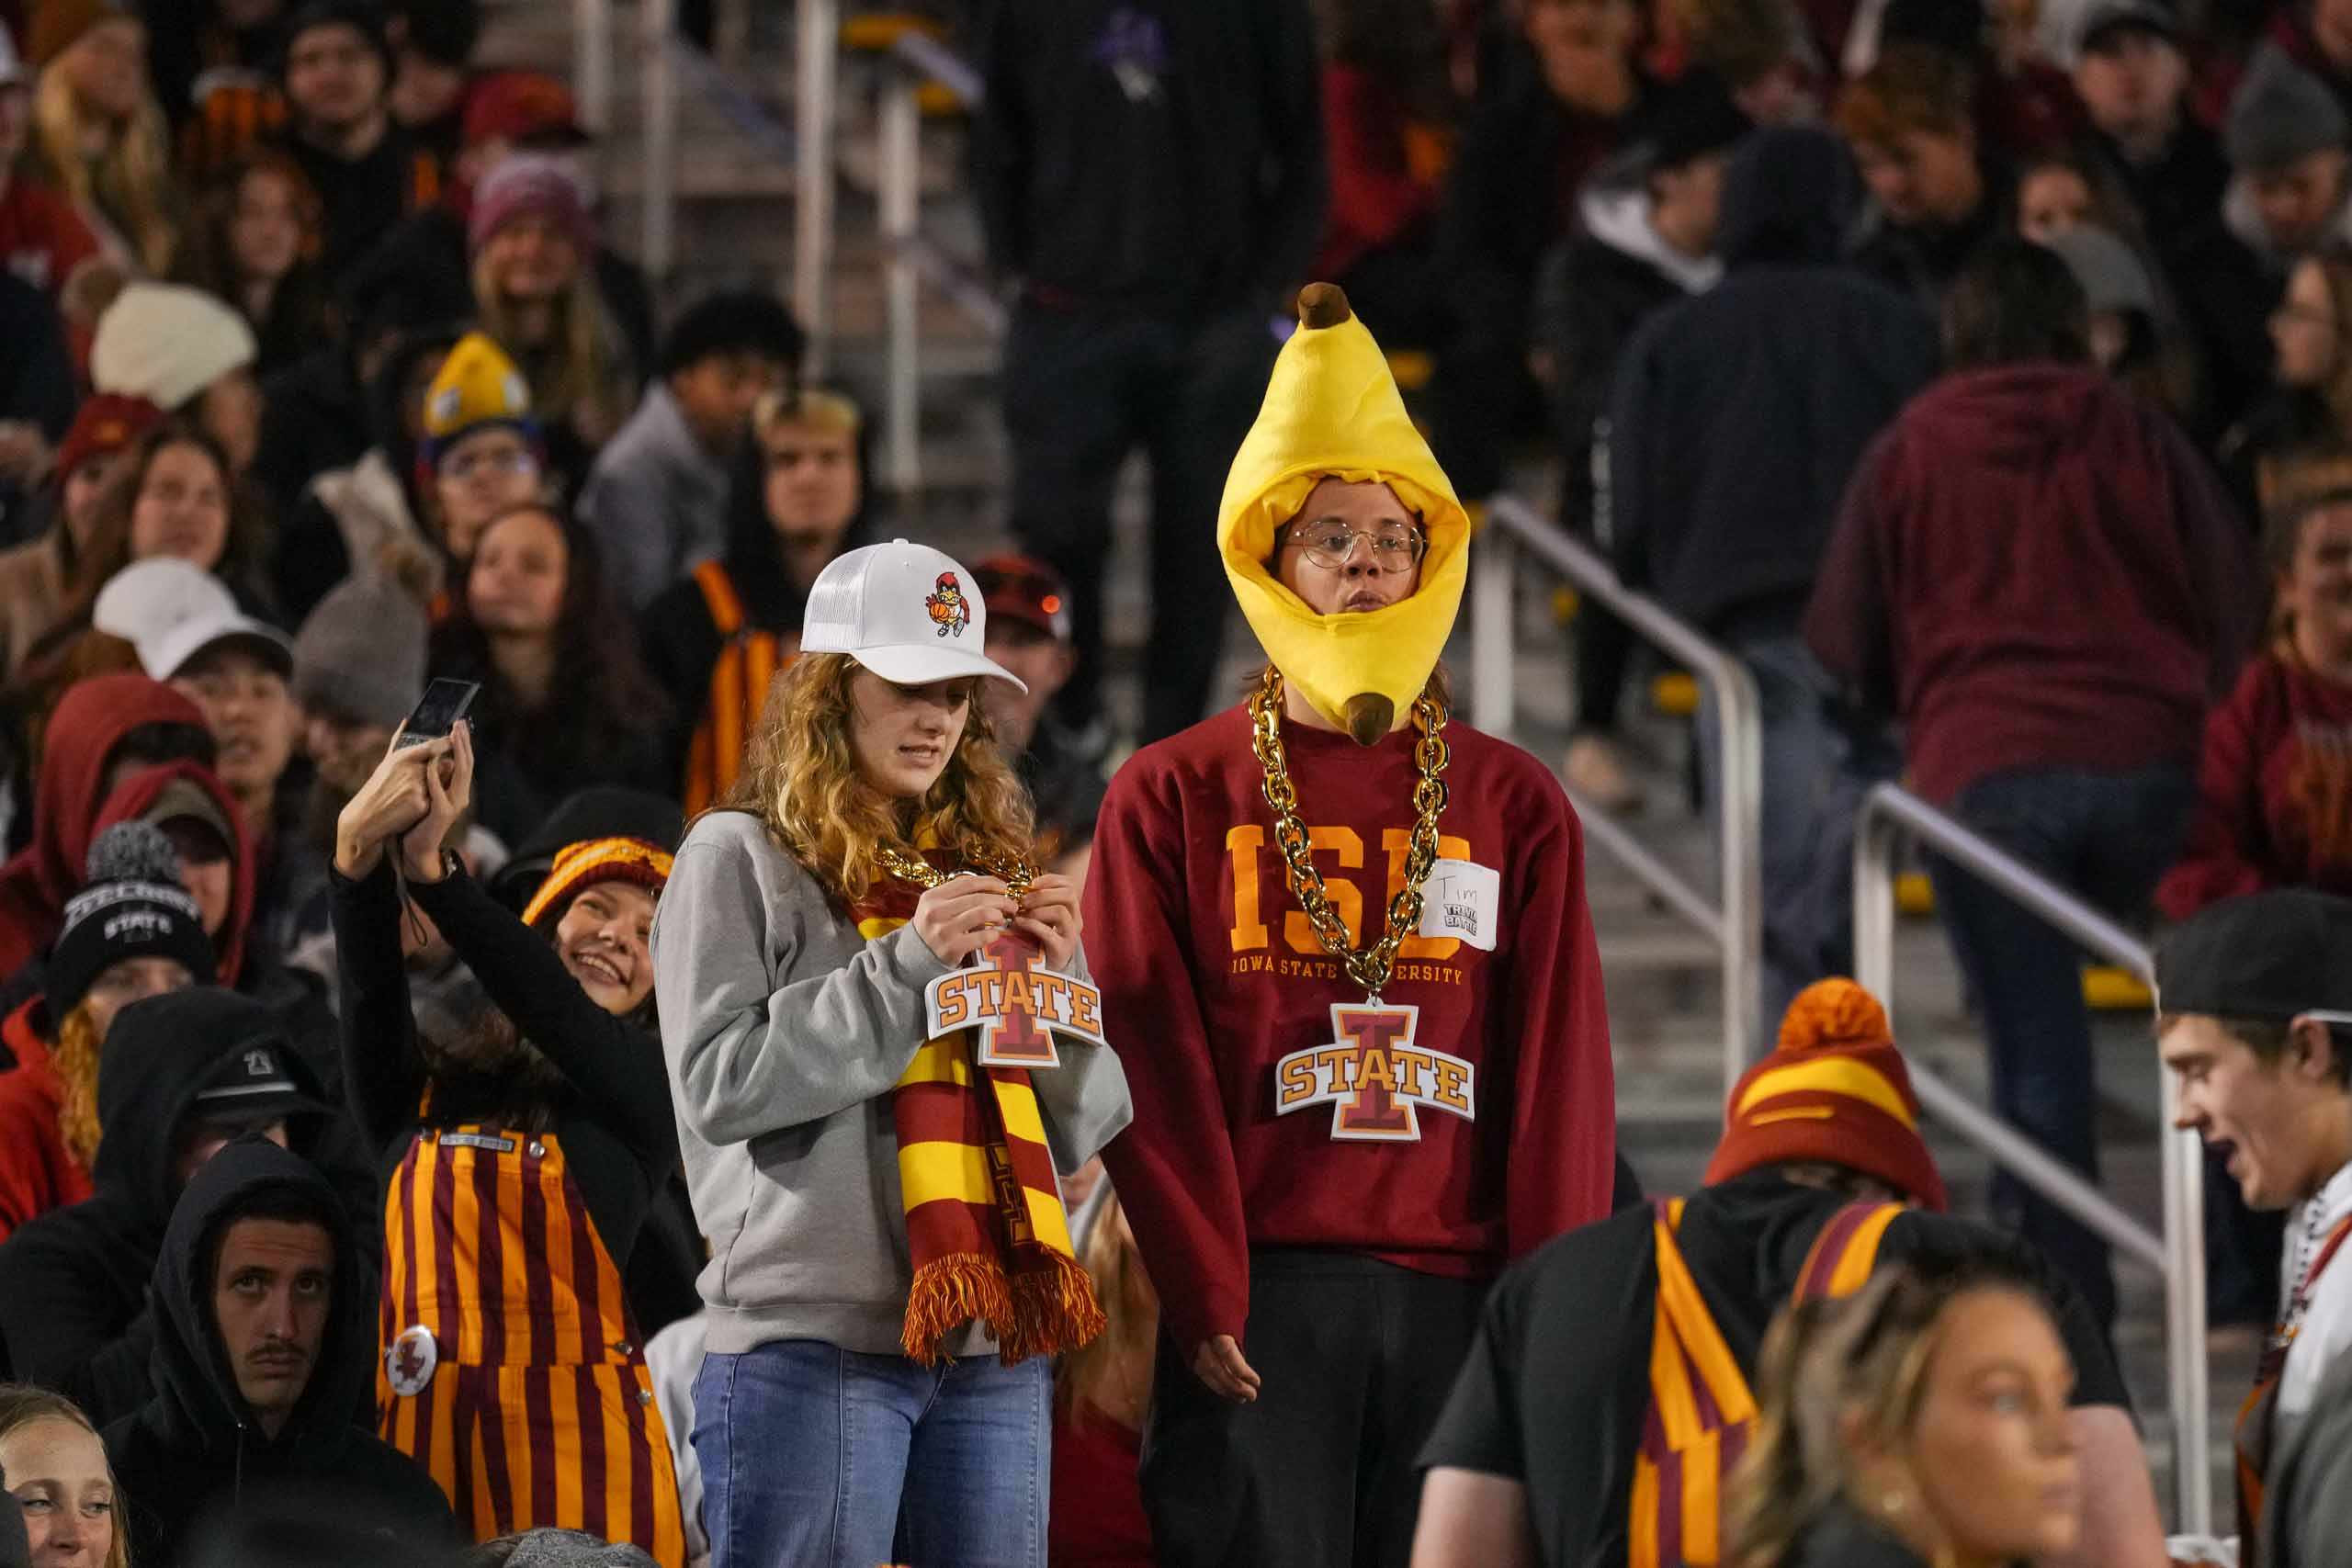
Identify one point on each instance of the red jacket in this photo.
(37, 1173)
(1211, 976)
(89, 722)
(2031, 570)
(2250, 831)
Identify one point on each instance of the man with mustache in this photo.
(1368, 1070)
(262, 1353)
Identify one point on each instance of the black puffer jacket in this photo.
(195, 1456)
(1738, 415)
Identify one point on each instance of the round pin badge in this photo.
(409, 1360)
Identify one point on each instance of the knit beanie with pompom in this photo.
(1834, 1090)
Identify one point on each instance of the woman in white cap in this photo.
(882, 1208)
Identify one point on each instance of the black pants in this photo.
(1356, 1358)
(1081, 389)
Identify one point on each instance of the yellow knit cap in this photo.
(478, 385)
(1332, 412)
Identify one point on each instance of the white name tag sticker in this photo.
(1462, 900)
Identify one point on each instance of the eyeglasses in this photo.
(499, 465)
(1395, 547)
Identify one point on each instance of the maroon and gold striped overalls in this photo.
(511, 1368)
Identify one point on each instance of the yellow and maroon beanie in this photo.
(1833, 1090)
(580, 866)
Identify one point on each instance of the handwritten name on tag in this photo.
(1462, 900)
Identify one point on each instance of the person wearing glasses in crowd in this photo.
(1355, 936)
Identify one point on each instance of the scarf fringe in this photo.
(1040, 1311)
(948, 1293)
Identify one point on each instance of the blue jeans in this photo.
(1804, 763)
(2108, 837)
(816, 1457)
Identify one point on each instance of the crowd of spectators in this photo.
(1979, 377)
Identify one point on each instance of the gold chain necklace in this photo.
(1015, 874)
(1369, 967)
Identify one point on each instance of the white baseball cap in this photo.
(170, 610)
(909, 612)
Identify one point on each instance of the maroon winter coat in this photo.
(2032, 569)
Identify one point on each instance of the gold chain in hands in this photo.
(1369, 967)
(1015, 874)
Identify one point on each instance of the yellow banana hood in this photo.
(1332, 412)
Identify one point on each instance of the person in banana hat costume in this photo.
(1350, 941)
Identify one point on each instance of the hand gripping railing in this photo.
(1889, 814)
(1734, 918)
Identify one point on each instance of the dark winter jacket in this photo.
(1159, 156)
(1738, 415)
(75, 1309)
(194, 1455)
(2034, 570)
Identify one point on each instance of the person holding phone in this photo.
(521, 1160)
(891, 1271)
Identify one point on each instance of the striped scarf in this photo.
(985, 1227)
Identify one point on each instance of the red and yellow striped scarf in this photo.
(985, 1227)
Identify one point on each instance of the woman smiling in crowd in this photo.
(553, 1120)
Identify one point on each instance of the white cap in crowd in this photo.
(909, 612)
(172, 610)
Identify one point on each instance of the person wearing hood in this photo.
(1734, 421)
(2044, 582)
(522, 1159)
(105, 730)
(183, 1074)
(131, 932)
(795, 501)
(2290, 192)
(1346, 1037)
(1646, 239)
(262, 1348)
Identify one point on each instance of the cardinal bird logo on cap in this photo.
(949, 609)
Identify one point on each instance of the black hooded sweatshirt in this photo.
(195, 1451)
(74, 1310)
(1738, 413)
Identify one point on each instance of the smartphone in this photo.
(444, 704)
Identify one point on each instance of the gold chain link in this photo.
(1015, 874)
(1369, 967)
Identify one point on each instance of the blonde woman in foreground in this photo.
(1917, 1424)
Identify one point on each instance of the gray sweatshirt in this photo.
(785, 1030)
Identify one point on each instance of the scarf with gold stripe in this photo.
(985, 1227)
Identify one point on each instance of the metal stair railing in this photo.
(1733, 917)
(1889, 814)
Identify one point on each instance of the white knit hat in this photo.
(166, 343)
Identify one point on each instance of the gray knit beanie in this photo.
(574, 1548)
(2281, 113)
(2113, 277)
(360, 654)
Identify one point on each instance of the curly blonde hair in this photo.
(801, 779)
